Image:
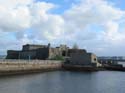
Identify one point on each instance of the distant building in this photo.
(115, 58)
(2, 56)
(111, 60)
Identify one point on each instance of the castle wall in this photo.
(42, 53)
(94, 58)
(32, 47)
(80, 59)
(27, 55)
(83, 59)
(70, 51)
(54, 52)
(12, 54)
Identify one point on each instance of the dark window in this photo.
(64, 53)
(94, 59)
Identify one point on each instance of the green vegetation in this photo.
(58, 57)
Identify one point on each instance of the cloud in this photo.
(32, 21)
(100, 13)
(14, 15)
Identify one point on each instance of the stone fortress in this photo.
(42, 52)
(46, 52)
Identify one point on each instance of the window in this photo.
(63, 53)
(94, 59)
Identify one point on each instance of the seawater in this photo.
(65, 82)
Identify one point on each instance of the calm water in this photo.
(65, 82)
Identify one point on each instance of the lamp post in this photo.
(29, 57)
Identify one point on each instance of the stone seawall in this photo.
(28, 66)
(79, 68)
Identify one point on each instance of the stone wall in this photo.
(22, 66)
(27, 54)
(28, 47)
(54, 52)
(83, 59)
(12, 54)
(80, 59)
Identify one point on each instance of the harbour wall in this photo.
(9, 67)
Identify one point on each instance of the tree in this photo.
(75, 46)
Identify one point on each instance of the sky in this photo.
(94, 25)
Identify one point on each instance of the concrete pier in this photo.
(25, 66)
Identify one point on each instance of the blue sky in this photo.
(67, 3)
(62, 5)
(119, 3)
(96, 25)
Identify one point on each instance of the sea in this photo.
(65, 82)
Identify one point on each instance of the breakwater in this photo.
(10, 67)
(25, 66)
